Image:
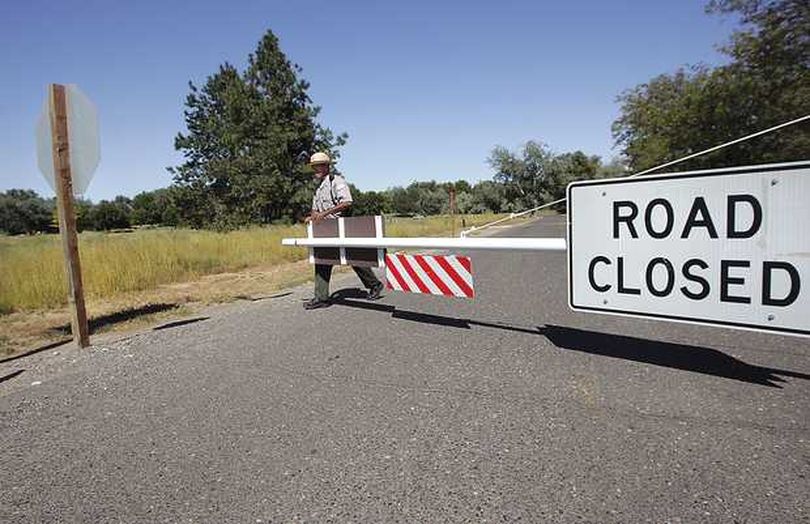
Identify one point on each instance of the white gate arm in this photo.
(477, 243)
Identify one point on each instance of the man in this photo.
(331, 199)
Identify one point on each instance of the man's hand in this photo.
(313, 217)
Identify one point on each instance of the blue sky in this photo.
(424, 89)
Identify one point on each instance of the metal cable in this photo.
(646, 171)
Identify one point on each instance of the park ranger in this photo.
(331, 199)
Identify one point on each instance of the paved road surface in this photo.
(414, 409)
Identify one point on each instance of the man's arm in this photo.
(317, 217)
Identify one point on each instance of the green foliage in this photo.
(145, 208)
(536, 175)
(158, 207)
(766, 83)
(108, 215)
(246, 133)
(533, 176)
(370, 202)
(489, 196)
(83, 209)
(23, 211)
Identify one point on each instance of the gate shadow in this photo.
(696, 359)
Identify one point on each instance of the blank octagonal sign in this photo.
(82, 120)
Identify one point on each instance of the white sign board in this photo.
(82, 121)
(729, 247)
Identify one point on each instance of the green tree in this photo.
(158, 207)
(536, 175)
(243, 149)
(24, 211)
(462, 186)
(431, 197)
(767, 82)
(465, 202)
(84, 214)
(108, 215)
(617, 167)
(370, 202)
(488, 196)
(145, 208)
(403, 202)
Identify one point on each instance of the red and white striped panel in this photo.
(448, 275)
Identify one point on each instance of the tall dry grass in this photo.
(32, 275)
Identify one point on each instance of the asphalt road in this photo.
(413, 409)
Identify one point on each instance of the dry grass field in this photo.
(149, 275)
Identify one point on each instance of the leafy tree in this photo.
(403, 201)
(488, 196)
(246, 133)
(370, 202)
(84, 215)
(82, 208)
(462, 186)
(569, 167)
(465, 202)
(522, 173)
(168, 200)
(766, 83)
(431, 198)
(617, 167)
(156, 207)
(536, 175)
(108, 215)
(145, 208)
(24, 211)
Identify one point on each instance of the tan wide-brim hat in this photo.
(319, 158)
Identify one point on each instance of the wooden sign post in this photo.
(67, 216)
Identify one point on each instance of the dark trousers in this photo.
(323, 273)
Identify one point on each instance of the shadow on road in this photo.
(665, 354)
(178, 323)
(47, 346)
(97, 323)
(338, 298)
(11, 375)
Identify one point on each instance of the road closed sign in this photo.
(729, 247)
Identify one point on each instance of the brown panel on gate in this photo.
(362, 256)
(354, 227)
(329, 256)
(326, 229)
(361, 227)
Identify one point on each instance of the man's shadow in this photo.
(696, 359)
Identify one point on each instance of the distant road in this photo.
(414, 409)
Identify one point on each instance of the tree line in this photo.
(23, 211)
(513, 189)
(248, 134)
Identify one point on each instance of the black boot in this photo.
(375, 292)
(316, 303)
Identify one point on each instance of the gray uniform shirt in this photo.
(333, 191)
